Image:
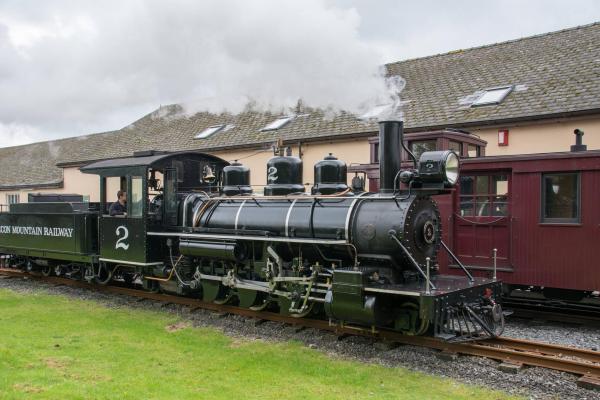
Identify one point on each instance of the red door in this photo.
(482, 219)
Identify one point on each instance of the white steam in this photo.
(93, 66)
(387, 105)
(13, 134)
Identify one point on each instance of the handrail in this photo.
(392, 234)
(480, 223)
(457, 261)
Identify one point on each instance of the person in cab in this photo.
(119, 207)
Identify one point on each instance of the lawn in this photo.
(54, 347)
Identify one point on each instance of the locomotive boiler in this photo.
(340, 253)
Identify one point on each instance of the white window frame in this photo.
(491, 99)
(13, 198)
(211, 130)
(280, 122)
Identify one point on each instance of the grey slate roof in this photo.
(554, 74)
(29, 165)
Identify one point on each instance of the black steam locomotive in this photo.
(194, 227)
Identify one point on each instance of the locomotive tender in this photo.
(339, 253)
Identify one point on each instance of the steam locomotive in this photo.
(194, 227)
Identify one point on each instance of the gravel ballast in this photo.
(535, 383)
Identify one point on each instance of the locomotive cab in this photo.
(154, 183)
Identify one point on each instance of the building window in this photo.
(560, 197)
(278, 123)
(418, 147)
(209, 131)
(484, 195)
(473, 151)
(492, 96)
(455, 147)
(13, 198)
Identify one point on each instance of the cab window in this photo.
(136, 201)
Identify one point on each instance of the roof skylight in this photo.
(278, 123)
(492, 96)
(209, 131)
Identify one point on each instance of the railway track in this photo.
(511, 351)
(553, 313)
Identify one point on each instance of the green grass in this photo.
(53, 347)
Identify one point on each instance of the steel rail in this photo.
(516, 351)
(544, 348)
(570, 314)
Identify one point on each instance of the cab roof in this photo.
(139, 163)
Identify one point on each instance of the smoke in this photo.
(13, 134)
(81, 67)
(387, 105)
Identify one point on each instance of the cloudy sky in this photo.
(70, 68)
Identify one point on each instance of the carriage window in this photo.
(560, 198)
(484, 195)
(421, 146)
(473, 151)
(456, 147)
(136, 203)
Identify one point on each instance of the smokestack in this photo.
(578, 146)
(390, 153)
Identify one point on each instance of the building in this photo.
(521, 96)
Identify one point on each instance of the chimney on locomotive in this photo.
(391, 134)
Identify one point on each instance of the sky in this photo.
(70, 68)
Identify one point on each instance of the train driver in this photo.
(119, 207)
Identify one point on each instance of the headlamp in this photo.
(439, 167)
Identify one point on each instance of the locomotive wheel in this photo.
(151, 285)
(284, 306)
(250, 298)
(409, 321)
(104, 274)
(215, 292)
(304, 313)
(47, 270)
(128, 278)
(261, 307)
(229, 297)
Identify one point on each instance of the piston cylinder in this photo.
(217, 250)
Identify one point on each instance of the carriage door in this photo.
(482, 219)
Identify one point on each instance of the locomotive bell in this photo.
(208, 176)
(330, 176)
